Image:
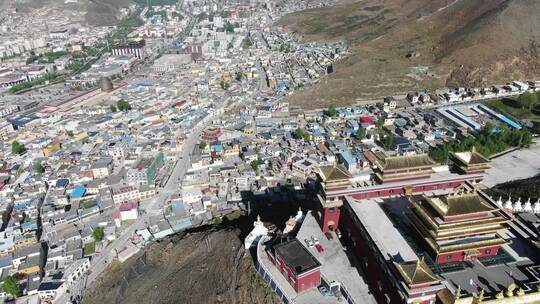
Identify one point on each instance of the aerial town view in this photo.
(270, 151)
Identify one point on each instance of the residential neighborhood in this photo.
(111, 144)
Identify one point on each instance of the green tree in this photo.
(247, 43)
(239, 75)
(98, 234)
(255, 164)
(306, 136)
(361, 133)
(39, 168)
(70, 133)
(298, 133)
(389, 141)
(202, 145)
(123, 105)
(9, 285)
(527, 138)
(229, 27)
(17, 148)
(527, 100)
(113, 108)
(331, 111)
(224, 85)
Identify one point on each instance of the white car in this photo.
(309, 243)
(315, 240)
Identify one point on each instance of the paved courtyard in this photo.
(519, 164)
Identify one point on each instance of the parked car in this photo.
(320, 248)
(309, 243)
(315, 240)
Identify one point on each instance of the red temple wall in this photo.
(377, 279)
(308, 281)
(330, 216)
(398, 190)
(460, 256)
(301, 283)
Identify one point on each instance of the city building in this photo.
(133, 47)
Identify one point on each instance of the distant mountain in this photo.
(401, 45)
(97, 12)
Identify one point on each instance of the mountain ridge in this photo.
(462, 43)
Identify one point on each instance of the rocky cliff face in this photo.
(200, 267)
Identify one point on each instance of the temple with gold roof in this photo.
(420, 284)
(402, 167)
(470, 162)
(458, 226)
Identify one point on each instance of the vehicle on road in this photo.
(309, 243)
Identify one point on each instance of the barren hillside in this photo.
(96, 12)
(402, 45)
(203, 267)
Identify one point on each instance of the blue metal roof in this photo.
(62, 183)
(78, 192)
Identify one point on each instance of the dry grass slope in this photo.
(453, 42)
(97, 12)
(203, 267)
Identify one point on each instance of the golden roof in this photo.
(459, 203)
(334, 173)
(472, 245)
(471, 157)
(416, 272)
(404, 161)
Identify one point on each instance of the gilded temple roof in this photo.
(404, 161)
(334, 173)
(416, 272)
(471, 157)
(459, 203)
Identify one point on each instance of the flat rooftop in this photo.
(336, 265)
(296, 256)
(383, 232)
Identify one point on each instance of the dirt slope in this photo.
(202, 267)
(97, 12)
(448, 42)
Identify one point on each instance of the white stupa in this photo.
(258, 231)
(290, 224)
(536, 206)
(527, 207)
(299, 218)
(517, 207)
(499, 202)
(508, 204)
